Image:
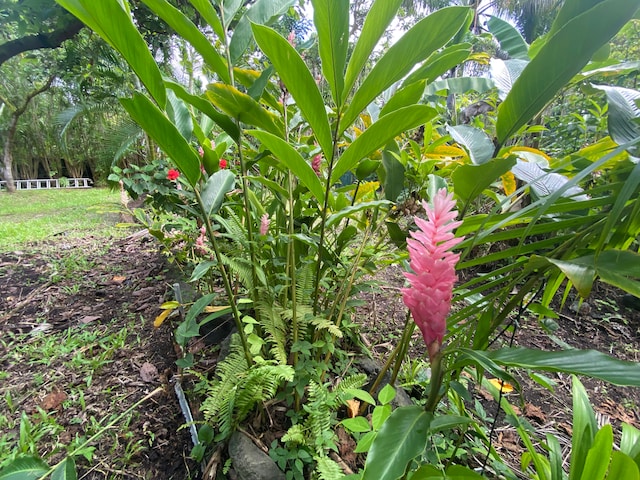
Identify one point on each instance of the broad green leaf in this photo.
(564, 55)
(331, 18)
(262, 12)
(509, 38)
(580, 362)
(291, 159)
(597, 461)
(630, 442)
(402, 438)
(460, 85)
(179, 115)
(66, 470)
(380, 415)
(447, 422)
(378, 19)
(357, 424)
(614, 70)
(622, 466)
(453, 472)
(24, 468)
(188, 31)
(505, 73)
(440, 62)
(379, 134)
(299, 81)
(241, 106)
(620, 268)
(205, 8)
(217, 186)
(352, 209)
(584, 426)
(404, 97)
(623, 109)
(229, 10)
(393, 172)
(205, 107)
(581, 275)
(165, 134)
(114, 25)
(201, 270)
(417, 44)
(474, 141)
(470, 180)
(570, 9)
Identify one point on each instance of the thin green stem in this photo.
(407, 332)
(225, 280)
(436, 383)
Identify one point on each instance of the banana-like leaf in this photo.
(563, 56)
(114, 25)
(509, 38)
(416, 45)
(299, 81)
(291, 159)
(379, 134)
(475, 142)
(504, 73)
(401, 438)
(579, 362)
(241, 106)
(262, 12)
(179, 115)
(378, 19)
(546, 183)
(165, 134)
(187, 30)
(460, 85)
(623, 110)
(331, 18)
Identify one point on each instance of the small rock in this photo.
(148, 372)
(251, 463)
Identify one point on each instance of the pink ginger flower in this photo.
(264, 224)
(292, 39)
(315, 163)
(429, 296)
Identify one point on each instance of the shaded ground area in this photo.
(78, 348)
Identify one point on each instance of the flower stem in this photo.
(436, 383)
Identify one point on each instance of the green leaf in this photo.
(580, 362)
(630, 442)
(24, 468)
(622, 112)
(201, 270)
(564, 55)
(165, 134)
(331, 18)
(387, 394)
(114, 25)
(241, 106)
(460, 85)
(379, 134)
(417, 44)
(454, 472)
(179, 115)
(439, 62)
(402, 438)
(394, 172)
(509, 38)
(470, 180)
(205, 8)
(357, 424)
(299, 81)
(217, 186)
(291, 159)
(205, 107)
(188, 31)
(376, 22)
(352, 209)
(475, 141)
(66, 470)
(581, 275)
(584, 429)
(262, 12)
(505, 73)
(598, 456)
(380, 415)
(622, 466)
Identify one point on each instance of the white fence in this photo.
(45, 183)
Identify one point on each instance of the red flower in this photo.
(223, 163)
(173, 174)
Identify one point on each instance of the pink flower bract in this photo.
(173, 174)
(429, 296)
(223, 163)
(264, 224)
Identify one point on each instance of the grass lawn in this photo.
(35, 215)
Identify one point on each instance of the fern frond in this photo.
(323, 324)
(357, 380)
(276, 329)
(295, 435)
(241, 268)
(327, 469)
(304, 284)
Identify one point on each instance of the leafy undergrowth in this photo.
(78, 349)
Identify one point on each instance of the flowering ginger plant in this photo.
(429, 294)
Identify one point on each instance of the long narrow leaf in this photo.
(509, 38)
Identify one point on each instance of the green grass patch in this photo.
(36, 215)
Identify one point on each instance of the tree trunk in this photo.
(7, 158)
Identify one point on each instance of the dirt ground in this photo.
(127, 281)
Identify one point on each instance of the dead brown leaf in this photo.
(535, 413)
(148, 372)
(53, 400)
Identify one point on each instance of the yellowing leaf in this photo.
(170, 305)
(353, 406)
(519, 148)
(162, 317)
(499, 384)
(366, 191)
(508, 183)
(215, 308)
(446, 151)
